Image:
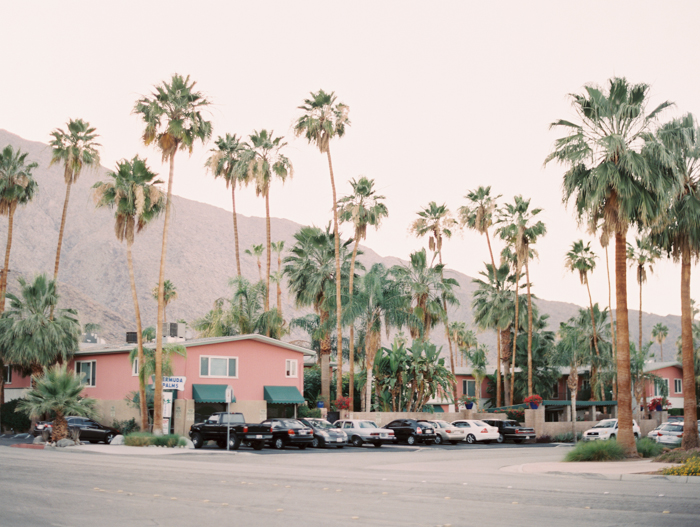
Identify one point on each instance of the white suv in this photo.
(607, 429)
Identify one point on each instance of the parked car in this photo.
(445, 432)
(511, 429)
(672, 434)
(411, 431)
(362, 431)
(655, 432)
(90, 430)
(325, 434)
(221, 425)
(475, 430)
(607, 429)
(288, 431)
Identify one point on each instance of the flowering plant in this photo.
(465, 399)
(658, 401)
(536, 399)
(342, 403)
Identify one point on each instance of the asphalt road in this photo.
(400, 485)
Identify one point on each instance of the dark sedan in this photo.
(325, 434)
(411, 431)
(289, 431)
(90, 430)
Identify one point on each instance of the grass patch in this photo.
(690, 468)
(567, 438)
(148, 439)
(648, 447)
(596, 451)
(678, 456)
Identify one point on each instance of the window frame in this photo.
(7, 374)
(135, 367)
(555, 390)
(465, 387)
(295, 372)
(676, 384)
(657, 391)
(93, 371)
(228, 367)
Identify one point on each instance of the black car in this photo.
(90, 430)
(325, 434)
(411, 431)
(287, 431)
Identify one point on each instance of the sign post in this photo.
(229, 397)
(167, 410)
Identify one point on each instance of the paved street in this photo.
(423, 486)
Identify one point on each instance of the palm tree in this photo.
(522, 231)
(17, 187)
(169, 295)
(363, 208)
(463, 338)
(57, 393)
(477, 359)
(256, 251)
(136, 201)
(613, 186)
(324, 119)
(259, 163)
(30, 338)
(645, 254)
(278, 248)
(659, 332)
(222, 163)
(679, 236)
(173, 121)
(435, 221)
(75, 149)
(479, 214)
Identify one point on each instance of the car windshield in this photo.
(511, 423)
(606, 424)
(291, 424)
(674, 428)
(440, 424)
(480, 423)
(321, 423)
(367, 424)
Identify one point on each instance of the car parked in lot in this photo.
(446, 432)
(90, 430)
(222, 425)
(475, 430)
(607, 429)
(511, 429)
(362, 431)
(672, 434)
(289, 432)
(411, 431)
(325, 434)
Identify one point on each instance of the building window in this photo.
(135, 367)
(555, 391)
(291, 367)
(661, 387)
(469, 388)
(7, 374)
(88, 368)
(218, 366)
(678, 385)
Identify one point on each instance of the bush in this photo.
(544, 439)
(148, 439)
(689, 468)
(13, 420)
(126, 427)
(305, 411)
(567, 438)
(516, 415)
(648, 447)
(678, 456)
(608, 450)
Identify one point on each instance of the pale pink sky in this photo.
(443, 97)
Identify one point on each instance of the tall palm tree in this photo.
(437, 222)
(173, 121)
(260, 162)
(136, 201)
(363, 208)
(278, 248)
(17, 187)
(222, 163)
(479, 213)
(323, 120)
(57, 393)
(477, 359)
(613, 186)
(659, 333)
(679, 236)
(641, 257)
(256, 251)
(75, 148)
(464, 339)
(169, 295)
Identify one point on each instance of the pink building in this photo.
(671, 377)
(266, 375)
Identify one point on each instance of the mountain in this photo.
(93, 275)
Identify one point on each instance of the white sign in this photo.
(167, 404)
(174, 383)
(166, 426)
(229, 394)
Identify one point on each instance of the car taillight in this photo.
(290, 432)
(658, 433)
(485, 431)
(245, 429)
(448, 431)
(374, 433)
(418, 430)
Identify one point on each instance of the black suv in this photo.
(289, 432)
(411, 431)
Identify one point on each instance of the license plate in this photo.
(258, 436)
(339, 440)
(383, 436)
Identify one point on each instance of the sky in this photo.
(444, 97)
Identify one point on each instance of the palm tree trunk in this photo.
(595, 334)
(488, 241)
(574, 393)
(690, 433)
(6, 267)
(371, 347)
(279, 283)
(449, 339)
(529, 325)
(235, 229)
(338, 301)
(498, 370)
(143, 406)
(612, 326)
(506, 378)
(325, 353)
(269, 255)
(60, 232)
(351, 350)
(640, 316)
(515, 332)
(624, 396)
(158, 381)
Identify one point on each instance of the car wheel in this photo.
(258, 445)
(197, 440)
(500, 439)
(278, 443)
(438, 439)
(234, 442)
(612, 436)
(377, 445)
(471, 439)
(356, 441)
(315, 442)
(411, 440)
(636, 435)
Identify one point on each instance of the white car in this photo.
(607, 429)
(361, 431)
(655, 432)
(476, 430)
(446, 432)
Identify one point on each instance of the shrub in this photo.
(689, 468)
(648, 447)
(342, 403)
(12, 419)
(544, 439)
(567, 438)
(516, 415)
(305, 411)
(533, 399)
(596, 451)
(148, 439)
(678, 455)
(126, 427)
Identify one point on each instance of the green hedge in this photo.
(11, 419)
(608, 450)
(148, 439)
(648, 447)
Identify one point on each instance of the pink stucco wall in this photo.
(484, 385)
(671, 373)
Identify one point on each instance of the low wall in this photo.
(109, 411)
(383, 418)
(563, 427)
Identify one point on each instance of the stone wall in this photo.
(383, 418)
(109, 411)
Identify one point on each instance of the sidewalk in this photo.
(606, 469)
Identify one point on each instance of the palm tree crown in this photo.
(323, 119)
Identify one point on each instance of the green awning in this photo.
(210, 393)
(283, 395)
(437, 408)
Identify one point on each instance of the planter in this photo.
(469, 406)
(533, 406)
(659, 408)
(319, 404)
